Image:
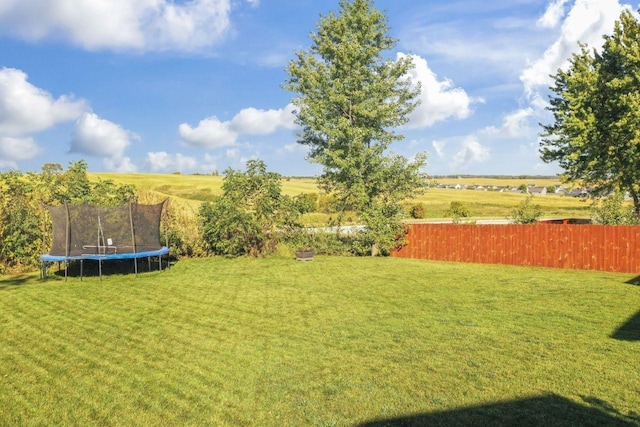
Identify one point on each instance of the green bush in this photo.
(457, 211)
(251, 217)
(306, 202)
(228, 229)
(21, 218)
(526, 213)
(614, 210)
(327, 203)
(417, 211)
(384, 229)
(323, 242)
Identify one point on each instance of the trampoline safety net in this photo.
(97, 230)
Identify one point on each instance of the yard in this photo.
(335, 341)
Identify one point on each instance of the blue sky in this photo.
(195, 86)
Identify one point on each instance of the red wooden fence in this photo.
(588, 247)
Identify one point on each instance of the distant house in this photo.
(561, 189)
(534, 189)
(578, 192)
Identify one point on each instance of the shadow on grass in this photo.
(15, 281)
(91, 268)
(546, 410)
(635, 281)
(629, 330)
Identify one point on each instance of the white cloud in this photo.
(123, 165)
(210, 164)
(253, 121)
(5, 164)
(439, 146)
(439, 99)
(214, 133)
(514, 125)
(586, 22)
(18, 148)
(553, 15)
(472, 151)
(25, 108)
(143, 25)
(162, 161)
(98, 137)
(294, 147)
(210, 132)
(159, 161)
(186, 163)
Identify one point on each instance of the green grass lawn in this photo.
(335, 341)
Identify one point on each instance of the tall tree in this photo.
(595, 103)
(350, 98)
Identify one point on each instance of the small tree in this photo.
(457, 211)
(526, 212)
(614, 210)
(350, 99)
(417, 211)
(251, 216)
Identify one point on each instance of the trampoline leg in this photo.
(149, 263)
(81, 265)
(100, 269)
(65, 271)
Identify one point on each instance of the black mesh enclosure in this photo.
(147, 236)
(95, 230)
(60, 228)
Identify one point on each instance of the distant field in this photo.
(491, 204)
(502, 181)
(191, 190)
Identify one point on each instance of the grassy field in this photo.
(490, 204)
(191, 190)
(278, 342)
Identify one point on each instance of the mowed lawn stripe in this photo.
(334, 341)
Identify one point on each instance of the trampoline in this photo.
(98, 233)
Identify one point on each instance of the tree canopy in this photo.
(251, 216)
(595, 136)
(349, 100)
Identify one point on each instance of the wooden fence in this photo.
(588, 247)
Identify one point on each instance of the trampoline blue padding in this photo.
(57, 258)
